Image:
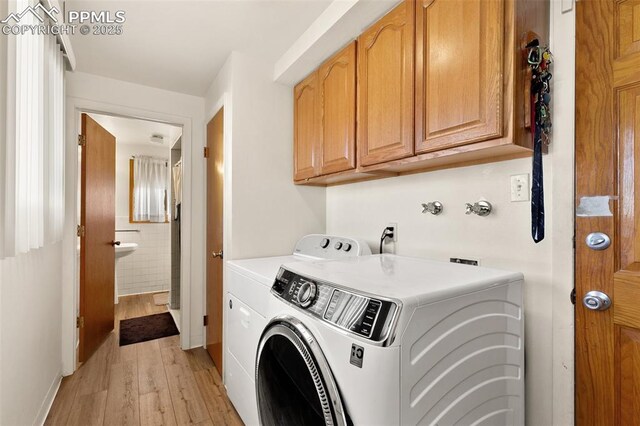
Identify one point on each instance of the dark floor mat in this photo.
(150, 327)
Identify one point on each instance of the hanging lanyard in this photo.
(539, 60)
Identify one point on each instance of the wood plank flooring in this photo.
(152, 383)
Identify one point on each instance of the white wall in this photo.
(3, 137)
(267, 212)
(501, 240)
(264, 212)
(87, 92)
(562, 198)
(30, 331)
(148, 268)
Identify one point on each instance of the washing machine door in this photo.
(294, 384)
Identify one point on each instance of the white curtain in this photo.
(33, 160)
(150, 189)
(177, 186)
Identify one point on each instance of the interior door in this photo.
(607, 166)
(215, 185)
(97, 221)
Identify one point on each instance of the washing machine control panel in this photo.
(368, 317)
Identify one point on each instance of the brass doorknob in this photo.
(215, 254)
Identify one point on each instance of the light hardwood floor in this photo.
(150, 383)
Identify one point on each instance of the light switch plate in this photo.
(520, 187)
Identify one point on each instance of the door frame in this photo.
(71, 284)
(224, 101)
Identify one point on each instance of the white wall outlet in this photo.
(520, 187)
(393, 225)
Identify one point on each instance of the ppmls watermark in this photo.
(38, 20)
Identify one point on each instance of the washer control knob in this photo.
(324, 243)
(346, 247)
(307, 293)
(338, 245)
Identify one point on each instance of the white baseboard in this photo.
(198, 342)
(48, 400)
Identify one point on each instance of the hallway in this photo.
(150, 383)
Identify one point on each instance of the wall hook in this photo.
(481, 208)
(433, 207)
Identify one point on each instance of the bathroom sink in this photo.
(125, 249)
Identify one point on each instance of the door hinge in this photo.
(82, 140)
(80, 231)
(205, 320)
(80, 322)
(206, 152)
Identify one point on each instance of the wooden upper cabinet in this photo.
(459, 72)
(337, 79)
(385, 87)
(306, 150)
(438, 83)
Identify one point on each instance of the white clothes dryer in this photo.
(389, 340)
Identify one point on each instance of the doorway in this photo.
(607, 239)
(214, 153)
(142, 214)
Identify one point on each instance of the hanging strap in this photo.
(537, 190)
(539, 59)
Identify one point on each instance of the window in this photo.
(148, 190)
(32, 155)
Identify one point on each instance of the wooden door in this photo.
(338, 111)
(215, 191)
(385, 87)
(459, 72)
(306, 137)
(607, 165)
(97, 221)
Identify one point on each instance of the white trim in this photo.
(48, 400)
(70, 291)
(340, 23)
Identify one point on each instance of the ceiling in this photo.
(180, 45)
(138, 132)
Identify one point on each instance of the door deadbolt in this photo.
(596, 301)
(598, 241)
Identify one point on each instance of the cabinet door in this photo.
(306, 117)
(338, 111)
(459, 72)
(385, 87)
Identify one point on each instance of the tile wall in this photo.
(148, 269)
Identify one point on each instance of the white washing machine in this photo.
(248, 292)
(388, 340)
